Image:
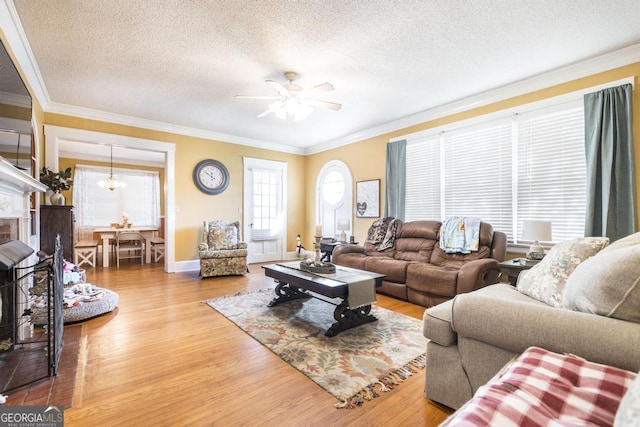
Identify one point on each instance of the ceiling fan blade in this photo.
(278, 86)
(257, 97)
(265, 113)
(324, 104)
(324, 87)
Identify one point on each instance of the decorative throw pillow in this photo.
(545, 281)
(607, 284)
(223, 235)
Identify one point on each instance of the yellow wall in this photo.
(193, 206)
(366, 159)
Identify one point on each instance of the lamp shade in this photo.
(343, 224)
(536, 231)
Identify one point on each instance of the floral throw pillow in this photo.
(223, 235)
(545, 281)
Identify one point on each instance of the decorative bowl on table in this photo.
(317, 267)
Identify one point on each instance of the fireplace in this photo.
(26, 357)
(12, 253)
(21, 347)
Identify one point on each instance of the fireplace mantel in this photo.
(19, 180)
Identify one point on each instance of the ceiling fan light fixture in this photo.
(293, 101)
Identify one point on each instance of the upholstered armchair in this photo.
(221, 251)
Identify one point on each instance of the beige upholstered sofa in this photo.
(221, 252)
(418, 270)
(581, 299)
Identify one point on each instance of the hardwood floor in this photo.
(166, 358)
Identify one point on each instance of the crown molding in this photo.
(17, 41)
(121, 119)
(15, 100)
(591, 66)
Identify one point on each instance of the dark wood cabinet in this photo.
(56, 220)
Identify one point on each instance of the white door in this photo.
(264, 209)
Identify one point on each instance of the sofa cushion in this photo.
(608, 284)
(546, 280)
(394, 270)
(414, 249)
(546, 388)
(432, 279)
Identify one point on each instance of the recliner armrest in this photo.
(477, 274)
(347, 248)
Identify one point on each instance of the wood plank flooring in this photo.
(166, 358)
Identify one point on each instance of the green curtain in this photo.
(611, 189)
(395, 179)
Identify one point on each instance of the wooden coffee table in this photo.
(294, 283)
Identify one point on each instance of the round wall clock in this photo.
(211, 176)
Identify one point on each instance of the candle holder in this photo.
(316, 245)
(317, 266)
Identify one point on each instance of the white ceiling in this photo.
(178, 64)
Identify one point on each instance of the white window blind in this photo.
(552, 170)
(477, 173)
(422, 197)
(529, 166)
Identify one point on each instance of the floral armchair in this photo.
(221, 251)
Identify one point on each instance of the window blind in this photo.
(529, 166)
(422, 194)
(552, 172)
(477, 173)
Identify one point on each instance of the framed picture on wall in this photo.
(368, 199)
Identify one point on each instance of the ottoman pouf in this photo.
(82, 311)
(88, 310)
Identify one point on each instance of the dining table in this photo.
(108, 233)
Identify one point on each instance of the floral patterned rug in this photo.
(354, 365)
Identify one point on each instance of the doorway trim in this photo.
(248, 163)
(55, 134)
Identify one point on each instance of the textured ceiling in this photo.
(182, 62)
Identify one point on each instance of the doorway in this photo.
(265, 193)
(77, 140)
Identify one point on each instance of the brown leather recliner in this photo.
(417, 270)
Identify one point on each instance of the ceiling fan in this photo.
(292, 100)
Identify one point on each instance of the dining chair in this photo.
(129, 245)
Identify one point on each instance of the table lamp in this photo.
(536, 231)
(343, 225)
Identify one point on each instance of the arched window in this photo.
(334, 199)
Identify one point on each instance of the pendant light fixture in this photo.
(111, 183)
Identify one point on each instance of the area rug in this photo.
(354, 365)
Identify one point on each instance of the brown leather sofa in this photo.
(417, 270)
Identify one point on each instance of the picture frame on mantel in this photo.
(368, 199)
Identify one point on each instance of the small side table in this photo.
(513, 267)
(327, 249)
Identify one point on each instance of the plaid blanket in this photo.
(542, 388)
